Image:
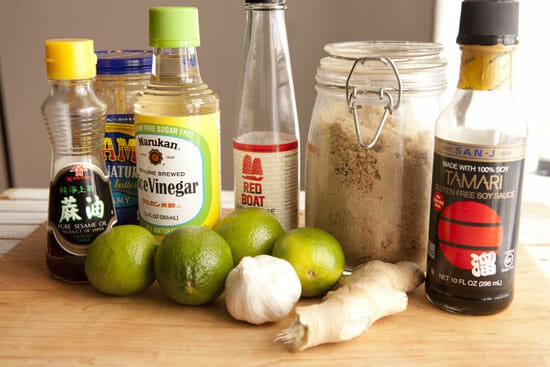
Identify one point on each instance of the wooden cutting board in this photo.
(46, 322)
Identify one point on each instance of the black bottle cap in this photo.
(488, 22)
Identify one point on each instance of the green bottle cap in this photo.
(174, 27)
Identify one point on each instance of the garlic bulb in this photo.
(261, 289)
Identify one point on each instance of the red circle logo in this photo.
(466, 228)
(438, 201)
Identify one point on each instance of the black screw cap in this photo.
(488, 22)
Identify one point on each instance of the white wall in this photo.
(25, 24)
(530, 82)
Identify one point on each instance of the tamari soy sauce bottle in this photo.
(478, 170)
(80, 201)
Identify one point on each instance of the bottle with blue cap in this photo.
(80, 201)
(177, 125)
(121, 74)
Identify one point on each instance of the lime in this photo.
(250, 232)
(316, 256)
(191, 265)
(121, 262)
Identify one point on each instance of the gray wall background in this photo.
(118, 24)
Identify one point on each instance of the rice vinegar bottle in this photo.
(265, 146)
(177, 130)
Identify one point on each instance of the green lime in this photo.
(191, 265)
(121, 261)
(250, 232)
(316, 256)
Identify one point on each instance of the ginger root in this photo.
(374, 290)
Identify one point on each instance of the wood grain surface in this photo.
(46, 322)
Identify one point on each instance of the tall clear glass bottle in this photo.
(265, 145)
(478, 170)
(80, 201)
(177, 130)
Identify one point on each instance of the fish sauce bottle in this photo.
(80, 201)
(265, 144)
(480, 142)
(177, 130)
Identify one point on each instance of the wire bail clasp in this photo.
(382, 92)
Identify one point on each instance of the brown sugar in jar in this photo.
(368, 168)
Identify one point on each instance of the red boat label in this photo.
(266, 176)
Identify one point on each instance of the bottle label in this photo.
(119, 152)
(474, 218)
(178, 171)
(80, 206)
(486, 67)
(266, 176)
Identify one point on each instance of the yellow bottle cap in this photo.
(70, 59)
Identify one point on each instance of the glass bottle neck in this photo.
(81, 86)
(175, 66)
(486, 68)
(266, 25)
(264, 6)
(267, 101)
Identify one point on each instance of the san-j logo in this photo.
(252, 174)
(155, 157)
(474, 152)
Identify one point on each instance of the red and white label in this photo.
(438, 201)
(266, 176)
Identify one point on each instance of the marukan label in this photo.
(266, 176)
(178, 171)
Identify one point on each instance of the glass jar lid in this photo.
(419, 65)
(382, 70)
